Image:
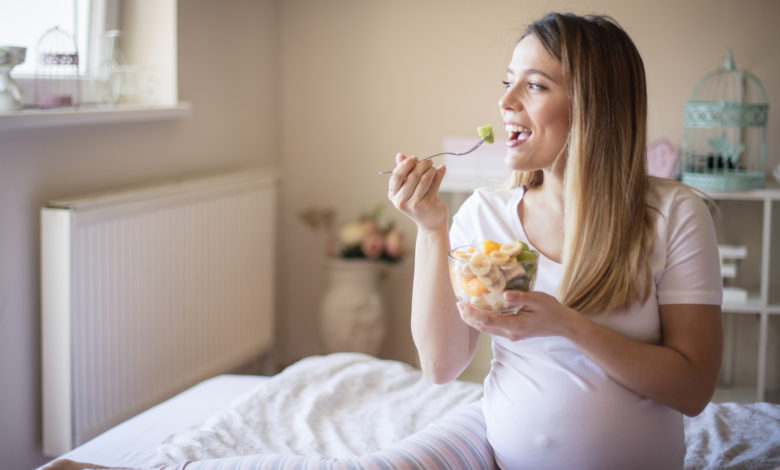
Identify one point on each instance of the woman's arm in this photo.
(681, 372)
(444, 343)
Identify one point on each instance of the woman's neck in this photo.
(541, 215)
(551, 192)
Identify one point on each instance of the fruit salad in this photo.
(481, 274)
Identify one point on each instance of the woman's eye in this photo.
(506, 83)
(535, 86)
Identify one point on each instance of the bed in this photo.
(349, 404)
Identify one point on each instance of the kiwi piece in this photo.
(519, 283)
(486, 132)
(526, 256)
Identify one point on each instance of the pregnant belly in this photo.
(548, 406)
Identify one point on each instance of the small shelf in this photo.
(770, 193)
(752, 305)
(757, 302)
(89, 115)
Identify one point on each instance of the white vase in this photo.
(351, 311)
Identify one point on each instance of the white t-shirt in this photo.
(546, 404)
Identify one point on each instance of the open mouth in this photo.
(518, 133)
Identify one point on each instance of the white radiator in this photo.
(148, 291)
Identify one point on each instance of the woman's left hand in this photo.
(540, 314)
(680, 372)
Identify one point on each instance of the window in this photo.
(23, 23)
(146, 75)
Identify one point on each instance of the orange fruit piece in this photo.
(490, 245)
(473, 287)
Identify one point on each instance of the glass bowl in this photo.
(481, 273)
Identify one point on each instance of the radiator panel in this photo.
(165, 286)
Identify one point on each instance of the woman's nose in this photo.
(510, 99)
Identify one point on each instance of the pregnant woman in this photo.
(622, 334)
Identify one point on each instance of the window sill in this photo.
(89, 115)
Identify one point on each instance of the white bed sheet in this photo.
(724, 436)
(134, 442)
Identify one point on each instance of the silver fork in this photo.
(445, 153)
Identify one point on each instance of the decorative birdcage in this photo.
(724, 140)
(57, 81)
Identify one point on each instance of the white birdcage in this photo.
(57, 82)
(724, 140)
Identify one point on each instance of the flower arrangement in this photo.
(364, 238)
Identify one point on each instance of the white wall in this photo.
(233, 124)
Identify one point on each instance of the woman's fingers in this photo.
(533, 301)
(513, 327)
(425, 184)
(491, 323)
(413, 190)
(404, 165)
(411, 182)
(539, 314)
(439, 177)
(518, 297)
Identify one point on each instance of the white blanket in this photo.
(338, 405)
(734, 436)
(349, 404)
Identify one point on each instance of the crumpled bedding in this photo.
(348, 404)
(734, 436)
(338, 405)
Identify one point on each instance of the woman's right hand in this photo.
(414, 190)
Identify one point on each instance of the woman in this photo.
(622, 335)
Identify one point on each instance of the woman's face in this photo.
(535, 108)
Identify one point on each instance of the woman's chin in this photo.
(517, 163)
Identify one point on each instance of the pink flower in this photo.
(394, 244)
(373, 245)
(368, 225)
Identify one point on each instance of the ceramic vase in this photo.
(352, 314)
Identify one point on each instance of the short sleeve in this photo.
(691, 274)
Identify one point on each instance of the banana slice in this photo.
(510, 265)
(480, 263)
(461, 255)
(501, 258)
(514, 271)
(494, 280)
(512, 248)
(463, 270)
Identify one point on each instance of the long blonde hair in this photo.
(608, 223)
